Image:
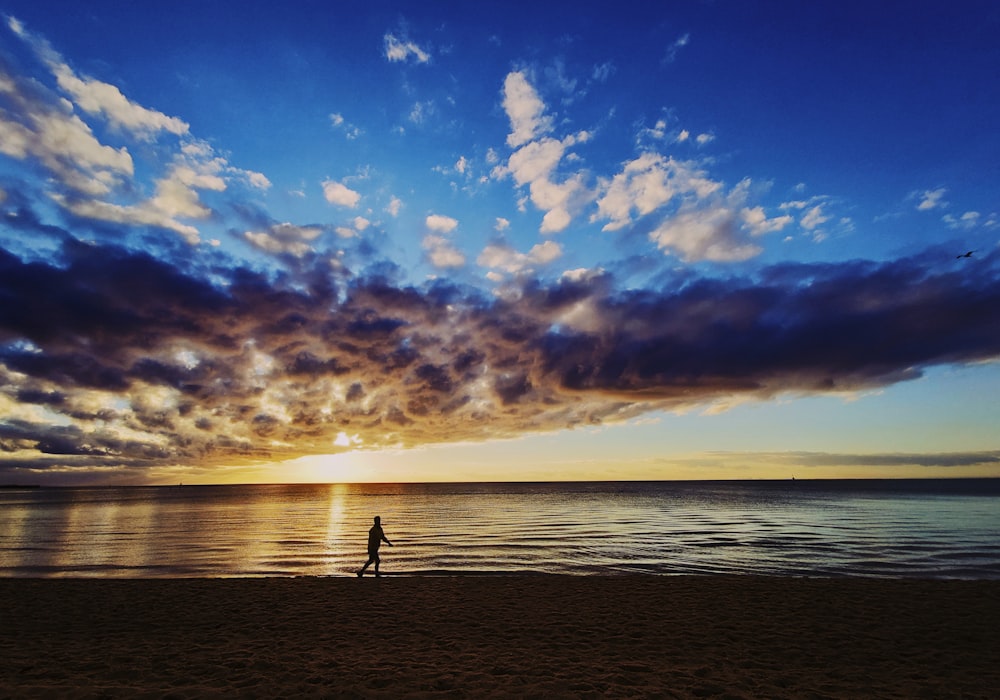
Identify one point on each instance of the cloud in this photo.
(442, 253)
(43, 129)
(114, 358)
(395, 204)
(93, 181)
(502, 257)
(525, 110)
(340, 194)
(966, 222)
(441, 223)
(421, 111)
(671, 54)
(558, 201)
(257, 180)
(704, 234)
(350, 131)
(145, 214)
(646, 184)
(535, 160)
(603, 72)
(96, 97)
(813, 218)
(176, 197)
(756, 220)
(537, 157)
(100, 98)
(892, 459)
(931, 199)
(401, 50)
(284, 238)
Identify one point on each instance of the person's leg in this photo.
(377, 562)
(367, 564)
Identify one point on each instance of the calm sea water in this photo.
(910, 528)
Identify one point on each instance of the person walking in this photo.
(375, 539)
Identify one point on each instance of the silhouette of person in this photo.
(375, 539)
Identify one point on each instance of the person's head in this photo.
(378, 520)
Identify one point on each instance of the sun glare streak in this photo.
(335, 525)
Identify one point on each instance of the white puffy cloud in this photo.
(557, 200)
(441, 223)
(357, 225)
(340, 194)
(441, 252)
(535, 160)
(502, 257)
(100, 98)
(967, 221)
(60, 140)
(502, 224)
(658, 131)
(537, 157)
(757, 222)
(143, 214)
(96, 181)
(932, 199)
(351, 132)
(525, 109)
(704, 234)
(703, 223)
(813, 218)
(395, 204)
(176, 194)
(96, 97)
(646, 184)
(258, 180)
(285, 238)
(195, 168)
(397, 50)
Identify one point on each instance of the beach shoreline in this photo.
(482, 636)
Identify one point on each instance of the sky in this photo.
(391, 241)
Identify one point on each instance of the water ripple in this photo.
(899, 529)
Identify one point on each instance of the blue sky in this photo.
(380, 241)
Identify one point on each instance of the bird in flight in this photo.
(965, 255)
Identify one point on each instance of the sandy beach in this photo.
(504, 636)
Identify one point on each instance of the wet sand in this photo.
(504, 636)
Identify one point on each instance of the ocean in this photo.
(875, 528)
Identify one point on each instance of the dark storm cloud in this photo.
(115, 357)
(804, 328)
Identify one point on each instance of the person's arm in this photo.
(386, 540)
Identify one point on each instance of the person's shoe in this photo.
(360, 574)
